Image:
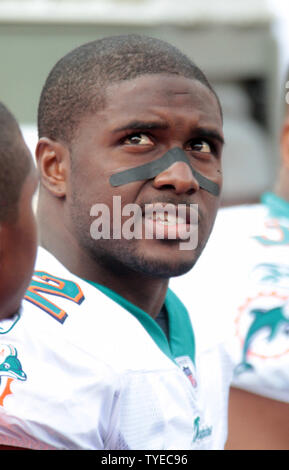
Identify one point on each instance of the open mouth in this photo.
(170, 221)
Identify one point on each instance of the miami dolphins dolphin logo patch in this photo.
(257, 327)
(10, 369)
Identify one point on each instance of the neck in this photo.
(145, 292)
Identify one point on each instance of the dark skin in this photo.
(142, 119)
(257, 423)
(18, 244)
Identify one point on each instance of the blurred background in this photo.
(241, 45)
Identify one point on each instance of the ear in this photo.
(53, 163)
(284, 143)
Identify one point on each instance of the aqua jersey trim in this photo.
(277, 206)
(182, 339)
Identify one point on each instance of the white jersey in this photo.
(244, 274)
(82, 368)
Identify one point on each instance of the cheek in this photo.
(32, 241)
(28, 243)
(86, 190)
(17, 268)
(220, 177)
(208, 211)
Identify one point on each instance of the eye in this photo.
(137, 139)
(200, 146)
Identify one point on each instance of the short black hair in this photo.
(75, 86)
(15, 164)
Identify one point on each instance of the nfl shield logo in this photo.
(188, 368)
(190, 376)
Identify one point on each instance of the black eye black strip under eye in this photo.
(152, 169)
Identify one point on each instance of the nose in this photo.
(178, 176)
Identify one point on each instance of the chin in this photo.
(182, 269)
(176, 270)
(161, 269)
(172, 265)
(155, 263)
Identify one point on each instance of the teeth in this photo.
(166, 214)
(166, 219)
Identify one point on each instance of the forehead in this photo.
(162, 95)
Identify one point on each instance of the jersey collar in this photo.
(181, 336)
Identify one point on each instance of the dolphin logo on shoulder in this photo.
(269, 320)
(10, 366)
(10, 369)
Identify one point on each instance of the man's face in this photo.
(18, 249)
(142, 119)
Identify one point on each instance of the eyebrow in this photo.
(208, 133)
(140, 125)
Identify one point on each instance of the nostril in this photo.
(166, 186)
(191, 191)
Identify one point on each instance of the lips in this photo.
(171, 213)
(170, 221)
